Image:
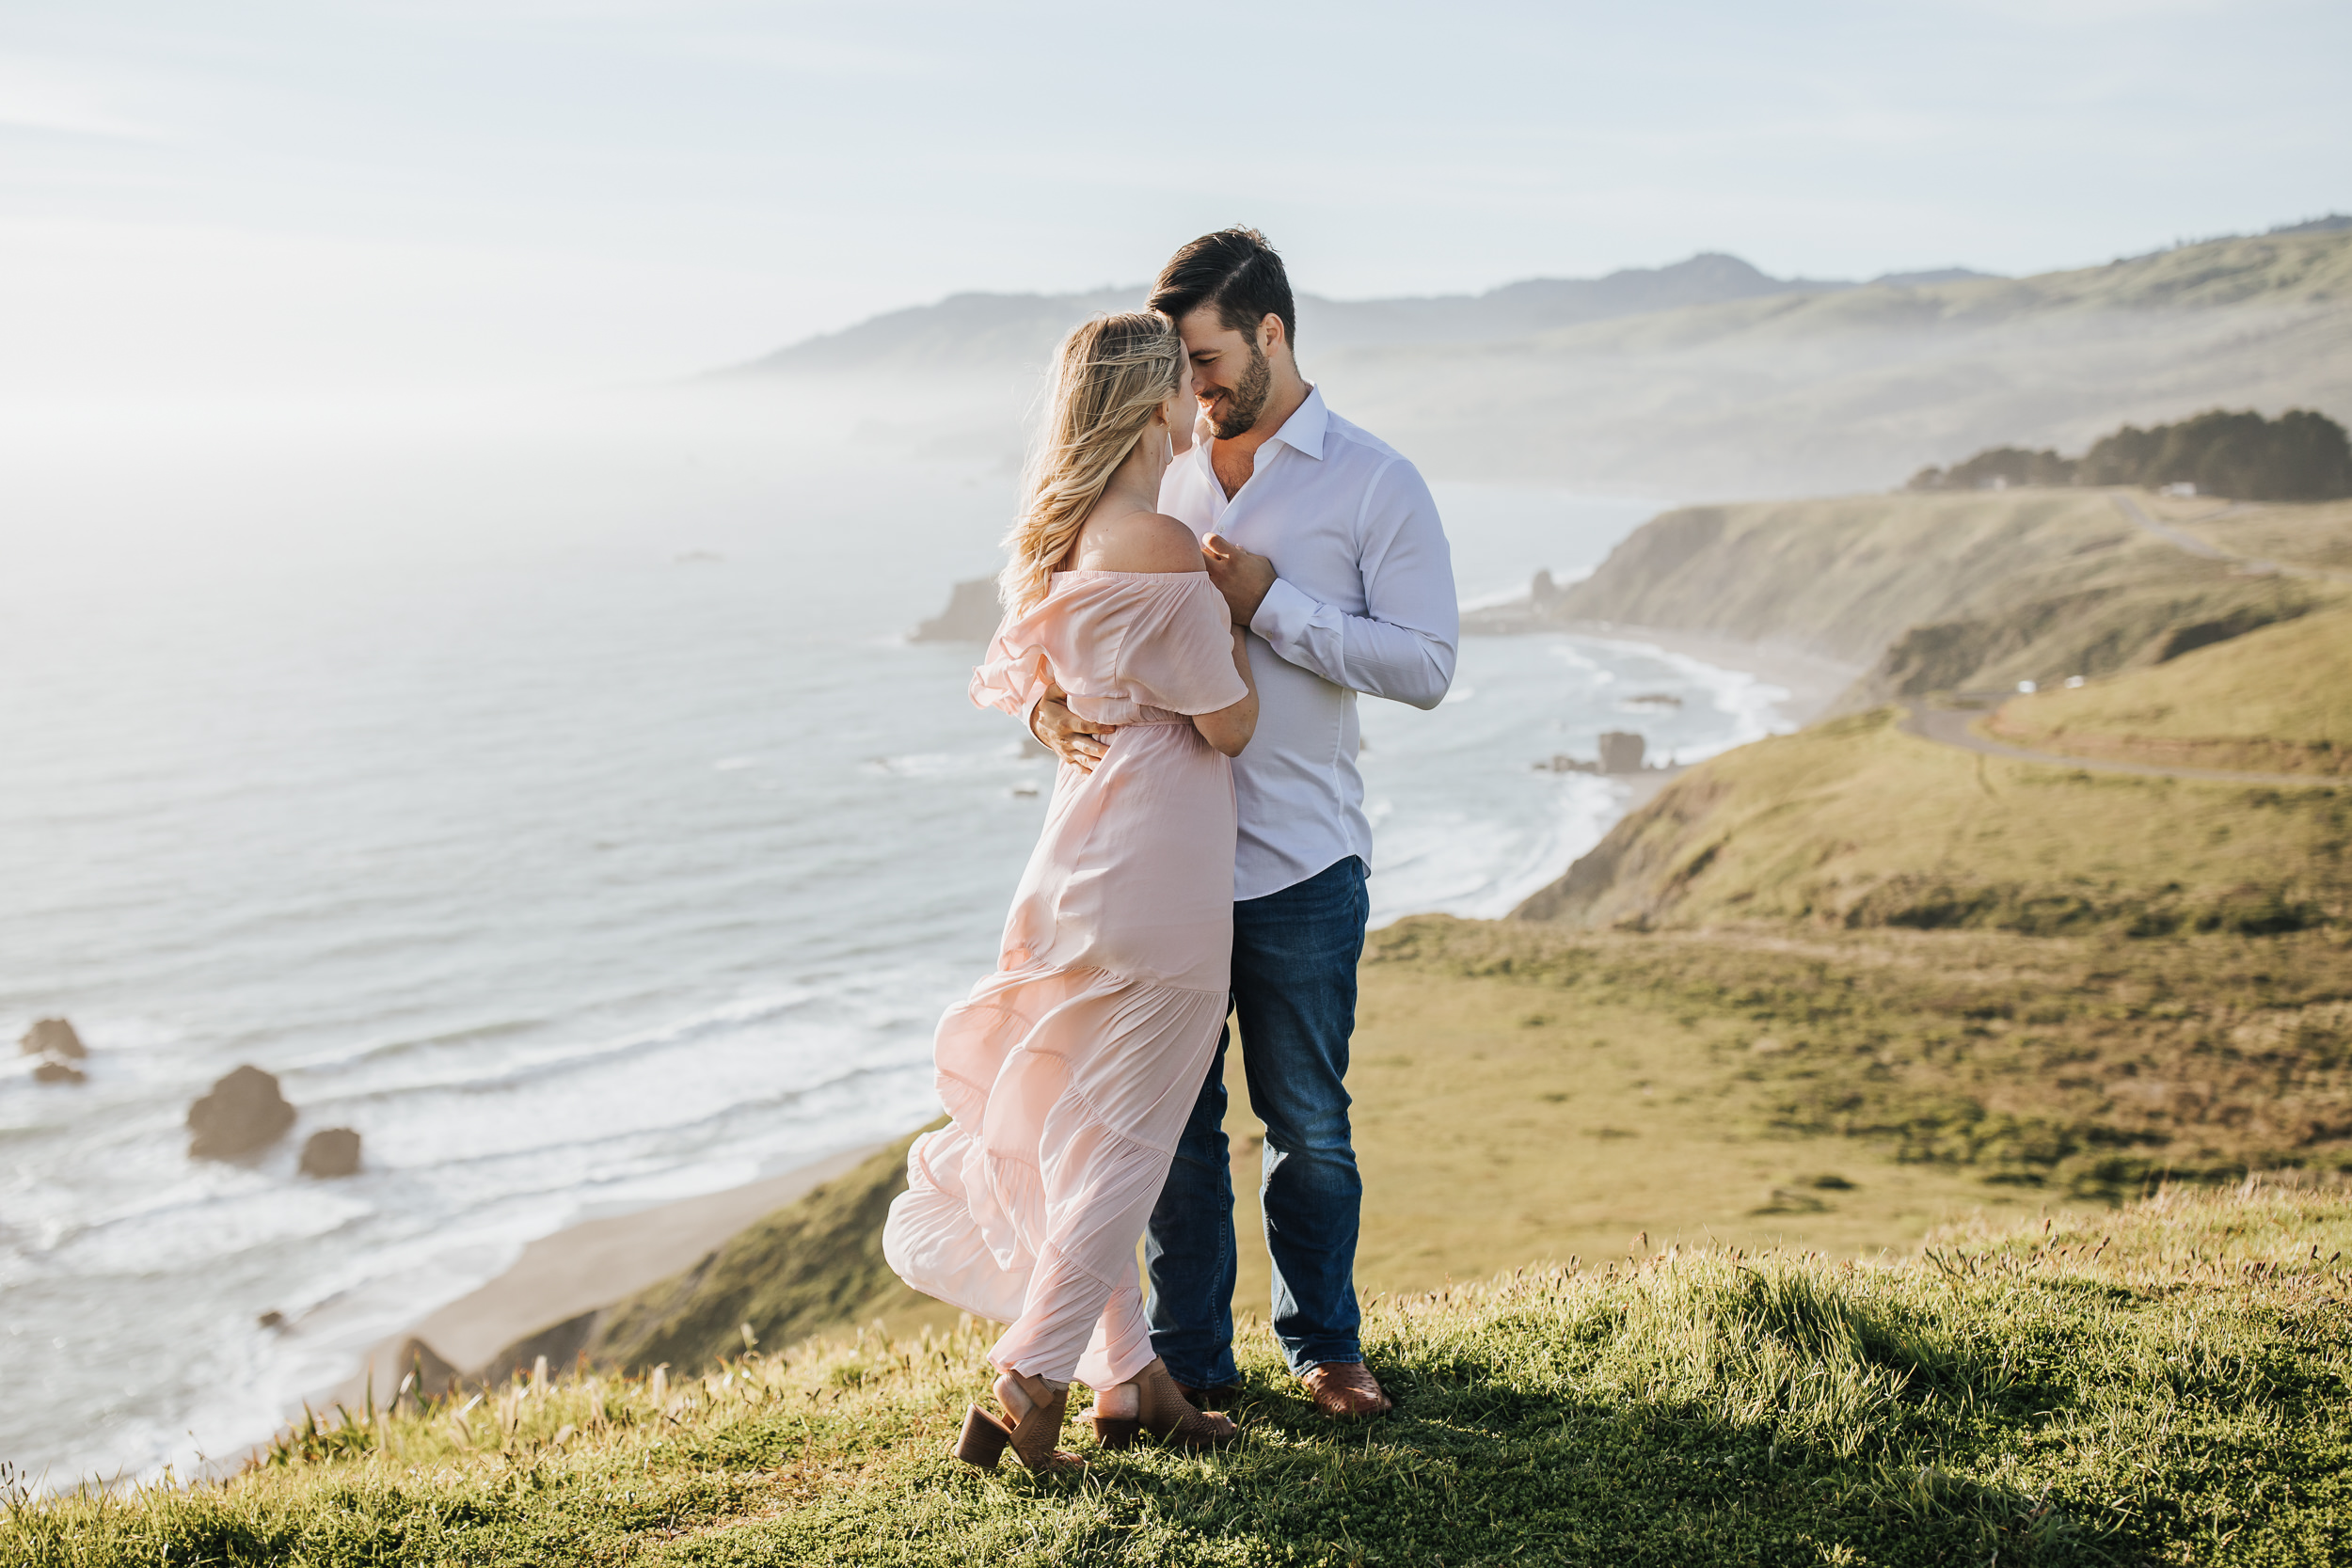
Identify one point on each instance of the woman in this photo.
(1069, 1073)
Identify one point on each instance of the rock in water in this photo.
(52, 1037)
(971, 616)
(1621, 752)
(244, 1113)
(54, 1071)
(334, 1152)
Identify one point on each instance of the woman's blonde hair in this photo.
(1112, 375)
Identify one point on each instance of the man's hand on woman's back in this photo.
(1079, 742)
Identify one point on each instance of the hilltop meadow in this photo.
(2163, 1384)
(1874, 1151)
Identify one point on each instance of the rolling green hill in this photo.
(2277, 700)
(1855, 823)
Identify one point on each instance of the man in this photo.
(1327, 546)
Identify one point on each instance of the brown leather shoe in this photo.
(1346, 1390)
(1222, 1397)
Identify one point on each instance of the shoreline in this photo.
(1814, 683)
(582, 1266)
(595, 1262)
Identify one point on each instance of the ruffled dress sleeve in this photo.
(1177, 653)
(1015, 671)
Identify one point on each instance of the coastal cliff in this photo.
(1942, 592)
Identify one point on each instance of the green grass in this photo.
(1852, 824)
(1527, 1093)
(2164, 1384)
(813, 1266)
(1927, 1069)
(2276, 700)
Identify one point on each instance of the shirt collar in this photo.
(1304, 430)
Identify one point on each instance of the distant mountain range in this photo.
(974, 330)
(1707, 379)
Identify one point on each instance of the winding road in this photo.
(1950, 726)
(2181, 539)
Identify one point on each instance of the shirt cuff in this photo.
(1283, 615)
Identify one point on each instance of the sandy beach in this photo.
(586, 1266)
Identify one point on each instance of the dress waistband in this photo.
(1118, 710)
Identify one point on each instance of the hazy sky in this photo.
(560, 191)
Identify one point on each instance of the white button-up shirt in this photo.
(1362, 601)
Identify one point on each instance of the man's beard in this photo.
(1245, 402)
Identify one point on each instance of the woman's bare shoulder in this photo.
(1140, 541)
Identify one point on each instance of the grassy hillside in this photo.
(1854, 823)
(2277, 700)
(1532, 1093)
(1948, 592)
(1942, 591)
(2312, 536)
(2169, 1384)
(1846, 577)
(814, 1266)
(1811, 1079)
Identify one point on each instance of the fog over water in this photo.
(550, 794)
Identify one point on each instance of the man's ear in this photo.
(1269, 332)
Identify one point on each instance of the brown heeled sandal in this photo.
(1116, 1432)
(1163, 1411)
(985, 1437)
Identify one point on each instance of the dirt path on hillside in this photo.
(1949, 726)
(2180, 538)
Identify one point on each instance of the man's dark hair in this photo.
(1235, 271)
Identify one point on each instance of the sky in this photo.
(445, 193)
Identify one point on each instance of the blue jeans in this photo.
(1295, 955)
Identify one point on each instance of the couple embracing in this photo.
(1188, 623)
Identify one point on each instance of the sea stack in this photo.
(333, 1151)
(971, 616)
(1621, 752)
(59, 1047)
(243, 1115)
(54, 1039)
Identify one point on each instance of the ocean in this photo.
(551, 793)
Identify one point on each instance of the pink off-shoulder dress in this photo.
(1069, 1073)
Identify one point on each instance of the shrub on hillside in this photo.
(2298, 456)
